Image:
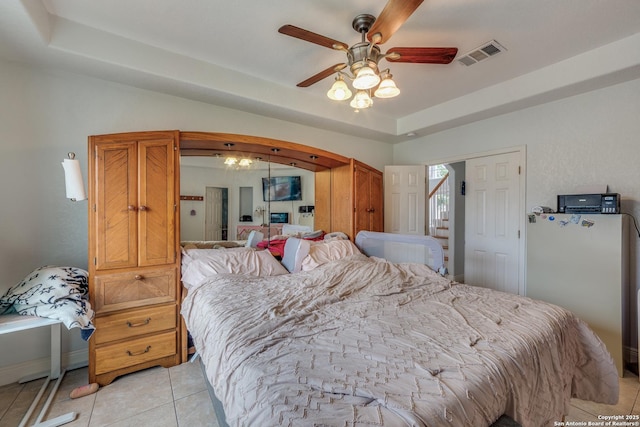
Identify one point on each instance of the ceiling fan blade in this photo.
(394, 14)
(423, 55)
(309, 36)
(321, 75)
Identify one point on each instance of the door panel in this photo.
(376, 201)
(361, 199)
(116, 204)
(213, 214)
(404, 199)
(156, 202)
(492, 222)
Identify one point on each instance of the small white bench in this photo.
(12, 323)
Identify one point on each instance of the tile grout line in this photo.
(173, 396)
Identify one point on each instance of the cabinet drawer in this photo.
(134, 323)
(134, 289)
(112, 357)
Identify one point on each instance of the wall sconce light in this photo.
(73, 179)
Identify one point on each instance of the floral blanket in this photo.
(54, 292)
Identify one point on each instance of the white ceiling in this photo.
(231, 54)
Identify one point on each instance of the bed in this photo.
(348, 339)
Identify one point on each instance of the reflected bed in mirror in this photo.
(218, 216)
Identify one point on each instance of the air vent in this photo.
(481, 53)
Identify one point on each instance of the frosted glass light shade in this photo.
(339, 91)
(362, 100)
(230, 161)
(387, 89)
(366, 78)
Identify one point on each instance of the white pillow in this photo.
(251, 262)
(295, 251)
(324, 252)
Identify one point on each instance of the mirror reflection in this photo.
(238, 198)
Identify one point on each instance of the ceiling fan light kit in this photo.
(363, 57)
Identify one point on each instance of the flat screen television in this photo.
(279, 217)
(281, 188)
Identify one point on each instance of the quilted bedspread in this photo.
(363, 342)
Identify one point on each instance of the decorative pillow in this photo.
(324, 252)
(251, 262)
(55, 292)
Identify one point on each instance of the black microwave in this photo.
(608, 203)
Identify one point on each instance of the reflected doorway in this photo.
(216, 214)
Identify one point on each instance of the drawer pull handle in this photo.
(139, 353)
(138, 277)
(135, 325)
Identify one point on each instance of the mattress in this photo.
(362, 341)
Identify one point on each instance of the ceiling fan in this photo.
(363, 57)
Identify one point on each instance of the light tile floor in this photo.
(177, 396)
(156, 397)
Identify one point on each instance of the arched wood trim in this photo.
(273, 150)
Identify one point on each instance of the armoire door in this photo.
(115, 206)
(368, 199)
(376, 200)
(135, 207)
(156, 202)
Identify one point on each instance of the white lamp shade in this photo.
(73, 180)
(339, 91)
(366, 78)
(387, 89)
(361, 100)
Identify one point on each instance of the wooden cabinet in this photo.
(351, 197)
(133, 260)
(368, 196)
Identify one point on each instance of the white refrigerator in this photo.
(580, 262)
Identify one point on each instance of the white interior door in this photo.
(404, 199)
(213, 214)
(492, 247)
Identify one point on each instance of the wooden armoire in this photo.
(134, 282)
(349, 199)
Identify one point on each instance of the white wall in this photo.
(45, 115)
(592, 138)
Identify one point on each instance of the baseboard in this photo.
(39, 368)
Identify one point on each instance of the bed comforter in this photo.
(361, 342)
